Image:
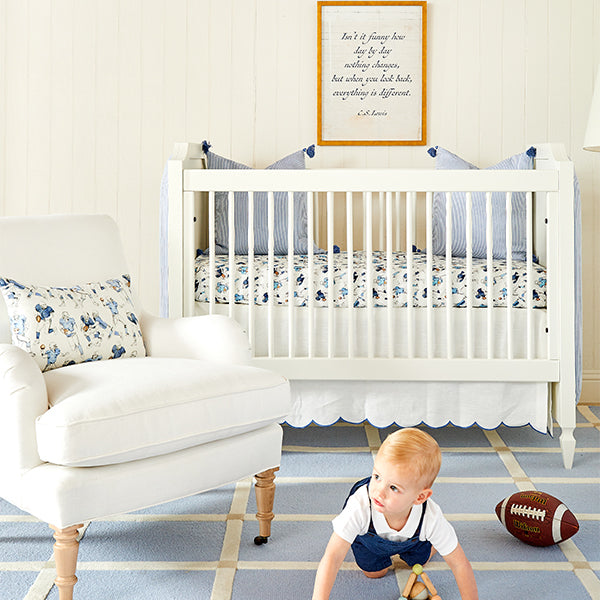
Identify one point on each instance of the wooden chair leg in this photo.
(265, 496)
(65, 556)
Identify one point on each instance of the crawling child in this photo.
(391, 513)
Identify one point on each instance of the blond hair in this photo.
(416, 449)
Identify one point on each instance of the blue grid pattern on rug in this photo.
(202, 547)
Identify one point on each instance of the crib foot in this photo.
(567, 445)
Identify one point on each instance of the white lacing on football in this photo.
(525, 511)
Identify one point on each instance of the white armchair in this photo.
(101, 437)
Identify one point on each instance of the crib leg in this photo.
(567, 445)
(565, 413)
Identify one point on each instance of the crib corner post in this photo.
(567, 445)
(565, 414)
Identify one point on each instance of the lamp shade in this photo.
(591, 141)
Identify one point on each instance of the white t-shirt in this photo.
(354, 520)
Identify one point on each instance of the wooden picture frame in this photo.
(372, 73)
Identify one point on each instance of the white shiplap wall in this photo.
(94, 94)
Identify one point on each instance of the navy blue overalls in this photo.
(373, 553)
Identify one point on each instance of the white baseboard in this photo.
(590, 390)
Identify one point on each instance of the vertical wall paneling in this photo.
(513, 77)
(221, 92)
(592, 204)
(3, 107)
(198, 63)
(60, 193)
(39, 73)
(490, 93)
(94, 94)
(444, 103)
(585, 26)
(267, 94)
(16, 60)
(242, 81)
(289, 49)
(130, 104)
(559, 65)
(468, 76)
(106, 100)
(84, 178)
(175, 82)
(152, 157)
(536, 71)
(582, 25)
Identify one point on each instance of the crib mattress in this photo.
(506, 286)
(350, 330)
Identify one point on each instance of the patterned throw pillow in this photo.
(61, 326)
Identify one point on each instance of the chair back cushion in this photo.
(58, 250)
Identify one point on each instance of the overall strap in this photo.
(417, 531)
(356, 486)
(424, 508)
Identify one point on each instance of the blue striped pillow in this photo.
(447, 160)
(261, 237)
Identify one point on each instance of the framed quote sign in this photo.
(372, 63)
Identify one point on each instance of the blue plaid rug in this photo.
(202, 547)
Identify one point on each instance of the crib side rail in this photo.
(378, 192)
(369, 180)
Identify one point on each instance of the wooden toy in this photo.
(417, 590)
(408, 586)
(413, 587)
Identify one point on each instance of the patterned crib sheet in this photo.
(516, 284)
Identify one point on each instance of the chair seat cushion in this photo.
(121, 410)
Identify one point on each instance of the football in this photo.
(537, 518)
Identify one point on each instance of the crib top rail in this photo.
(369, 180)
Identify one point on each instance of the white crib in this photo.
(402, 353)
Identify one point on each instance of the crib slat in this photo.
(529, 292)
(231, 242)
(350, 275)
(410, 200)
(368, 200)
(509, 283)
(330, 277)
(449, 274)
(398, 227)
(311, 291)
(429, 238)
(490, 275)
(364, 222)
(389, 272)
(469, 248)
(270, 261)
(381, 210)
(211, 253)
(291, 278)
(251, 282)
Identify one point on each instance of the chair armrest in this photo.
(208, 337)
(23, 398)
